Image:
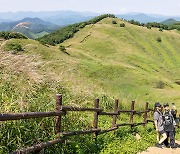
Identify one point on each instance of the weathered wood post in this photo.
(132, 113)
(58, 118)
(146, 112)
(95, 123)
(115, 111)
(179, 122)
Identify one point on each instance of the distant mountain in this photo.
(30, 27)
(67, 17)
(169, 22)
(5, 20)
(144, 18)
(62, 21)
(56, 17)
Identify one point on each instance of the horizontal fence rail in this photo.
(79, 132)
(28, 115)
(70, 108)
(39, 147)
(61, 110)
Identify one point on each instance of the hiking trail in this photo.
(155, 150)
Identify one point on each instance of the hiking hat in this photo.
(166, 104)
(157, 104)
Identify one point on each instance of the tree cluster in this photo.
(161, 26)
(10, 35)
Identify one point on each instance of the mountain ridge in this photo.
(58, 17)
(33, 26)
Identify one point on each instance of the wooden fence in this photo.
(62, 110)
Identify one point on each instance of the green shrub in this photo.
(114, 22)
(160, 29)
(62, 48)
(122, 25)
(14, 47)
(135, 22)
(160, 85)
(159, 39)
(43, 42)
(149, 27)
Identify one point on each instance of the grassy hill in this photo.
(129, 62)
(101, 60)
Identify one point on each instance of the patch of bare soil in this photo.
(155, 150)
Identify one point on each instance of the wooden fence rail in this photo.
(28, 115)
(61, 110)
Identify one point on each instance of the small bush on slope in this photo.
(159, 39)
(122, 25)
(114, 22)
(14, 47)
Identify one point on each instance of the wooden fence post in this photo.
(115, 111)
(95, 123)
(58, 108)
(132, 113)
(146, 112)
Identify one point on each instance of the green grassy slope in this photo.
(129, 62)
(104, 58)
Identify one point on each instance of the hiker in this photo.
(158, 122)
(174, 113)
(169, 126)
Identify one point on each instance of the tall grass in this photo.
(40, 97)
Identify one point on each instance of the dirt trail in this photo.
(155, 150)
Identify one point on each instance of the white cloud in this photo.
(178, 5)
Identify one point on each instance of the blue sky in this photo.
(164, 7)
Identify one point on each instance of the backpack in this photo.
(168, 119)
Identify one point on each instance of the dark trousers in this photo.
(171, 135)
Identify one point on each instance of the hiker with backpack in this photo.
(169, 125)
(159, 125)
